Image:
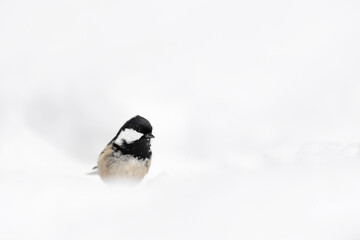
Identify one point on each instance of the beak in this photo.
(149, 135)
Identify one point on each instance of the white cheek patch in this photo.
(128, 135)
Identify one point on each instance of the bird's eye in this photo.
(138, 129)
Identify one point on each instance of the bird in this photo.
(127, 157)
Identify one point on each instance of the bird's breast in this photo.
(113, 166)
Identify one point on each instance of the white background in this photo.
(254, 105)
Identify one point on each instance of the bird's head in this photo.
(135, 131)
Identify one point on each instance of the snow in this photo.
(254, 105)
(314, 195)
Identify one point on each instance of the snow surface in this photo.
(254, 105)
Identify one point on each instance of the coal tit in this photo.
(127, 157)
